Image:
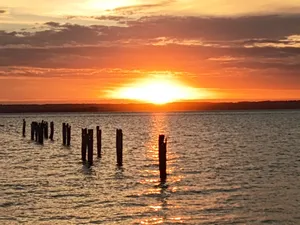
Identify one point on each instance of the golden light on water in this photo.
(158, 91)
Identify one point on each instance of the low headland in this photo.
(145, 107)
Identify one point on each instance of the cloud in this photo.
(103, 17)
(195, 59)
(290, 41)
(210, 30)
(110, 17)
(129, 10)
(52, 24)
(219, 28)
(252, 44)
(2, 11)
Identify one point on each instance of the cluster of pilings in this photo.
(66, 134)
(39, 131)
(87, 142)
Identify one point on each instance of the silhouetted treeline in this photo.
(136, 107)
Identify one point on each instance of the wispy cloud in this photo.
(102, 17)
(129, 10)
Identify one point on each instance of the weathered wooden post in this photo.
(64, 133)
(119, 147)
(68, 135)
(39, 128)
(99, 137)
(37, 134)
(90, 146)
(32, 131)
(162, 155)
(41, 133)
(84, 139)
(46, 130)
(36, 131)
(51, 131)
(24, 127)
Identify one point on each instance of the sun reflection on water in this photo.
(156, 207)
(153, 189)
(156, 220)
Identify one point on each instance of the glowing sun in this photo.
(158, 91)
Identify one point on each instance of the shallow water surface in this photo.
(223, 168)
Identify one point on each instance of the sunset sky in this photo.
(155, 51)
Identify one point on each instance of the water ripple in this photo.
(223, 168)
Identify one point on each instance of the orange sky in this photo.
(115, 51)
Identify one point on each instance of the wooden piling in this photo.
(36, 133)
(68, 135)
(51, 131)
(41, 133)
(90, 146)
(46, 130)
(24, 127)
(84, 139)
(64, 133)
(99, 144)
(32, 131)
(119, 147)
(162, 155)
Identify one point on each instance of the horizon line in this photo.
(232, 101)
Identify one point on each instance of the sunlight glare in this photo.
(158, 91)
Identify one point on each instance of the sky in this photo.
(101, 51)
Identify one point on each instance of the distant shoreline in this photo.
(145, 107)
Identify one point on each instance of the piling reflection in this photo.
(88, 172)
(119, 173)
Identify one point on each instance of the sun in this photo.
(157, 91)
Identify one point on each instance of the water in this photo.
(223, 168)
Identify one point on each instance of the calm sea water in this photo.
(223, 168)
